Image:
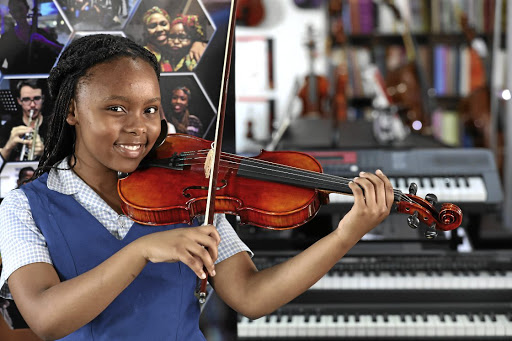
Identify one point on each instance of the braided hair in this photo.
(73, 65)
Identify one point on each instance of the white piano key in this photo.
(243, 328)
(505, 324)
(350, 326)
(430, 331)
(410, 329)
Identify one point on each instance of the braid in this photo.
(73, 64)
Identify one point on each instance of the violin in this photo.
(315, 91)
(274, 190)
(250, 12)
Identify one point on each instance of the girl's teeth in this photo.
(131, 147)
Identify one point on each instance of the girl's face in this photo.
(178, 38)
(158, 29)
(179, 101)
(116, 114)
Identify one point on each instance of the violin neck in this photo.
(299, 177)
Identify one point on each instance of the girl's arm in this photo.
(54, 309)
(256, 293)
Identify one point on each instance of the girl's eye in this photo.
(116, 109)
(151, 110)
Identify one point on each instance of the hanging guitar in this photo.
(407, 84)
(475, 108)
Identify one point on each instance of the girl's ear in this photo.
(71, 117)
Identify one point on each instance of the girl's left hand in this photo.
(370, 208)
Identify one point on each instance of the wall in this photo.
(286, 25)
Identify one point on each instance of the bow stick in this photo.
(217, 143)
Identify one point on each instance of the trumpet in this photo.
(29, 154)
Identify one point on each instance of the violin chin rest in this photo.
(163, 134)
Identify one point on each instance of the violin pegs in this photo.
(413, 188)
(431, 232)
(413, 220)
(431, 198)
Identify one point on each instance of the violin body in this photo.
(313, 95)
(250, 12)
(178, 195)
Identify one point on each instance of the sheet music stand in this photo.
(8, 105)
(7, 101)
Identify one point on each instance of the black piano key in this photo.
(493, 317)
(481, 316)
(318, 316)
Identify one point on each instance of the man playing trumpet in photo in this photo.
(20, 137)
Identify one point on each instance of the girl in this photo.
(185, 32)
(78, 269)
(157, 27)
(180, 117)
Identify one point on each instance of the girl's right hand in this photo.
(194, 246)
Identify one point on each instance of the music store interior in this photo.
(420, 89)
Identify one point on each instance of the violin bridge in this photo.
(208, 164)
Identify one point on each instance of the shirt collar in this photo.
(64, 180)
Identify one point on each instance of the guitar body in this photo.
(404, 88)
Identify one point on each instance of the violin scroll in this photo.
(421, 210)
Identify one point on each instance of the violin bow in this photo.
(201, 293)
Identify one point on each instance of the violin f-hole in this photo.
(187, 195)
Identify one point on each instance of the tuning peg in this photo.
(431, 232)
(413, 220)
(413, 188)
(431, 198)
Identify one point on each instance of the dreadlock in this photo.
(73, 64)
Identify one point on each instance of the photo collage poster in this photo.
(171, 29)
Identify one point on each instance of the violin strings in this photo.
(258, 165)
(234, 159)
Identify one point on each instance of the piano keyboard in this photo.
(295, 325)
(444, 280)
(438, 295)
(462, 176)
(447, 189)
(475, 271)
